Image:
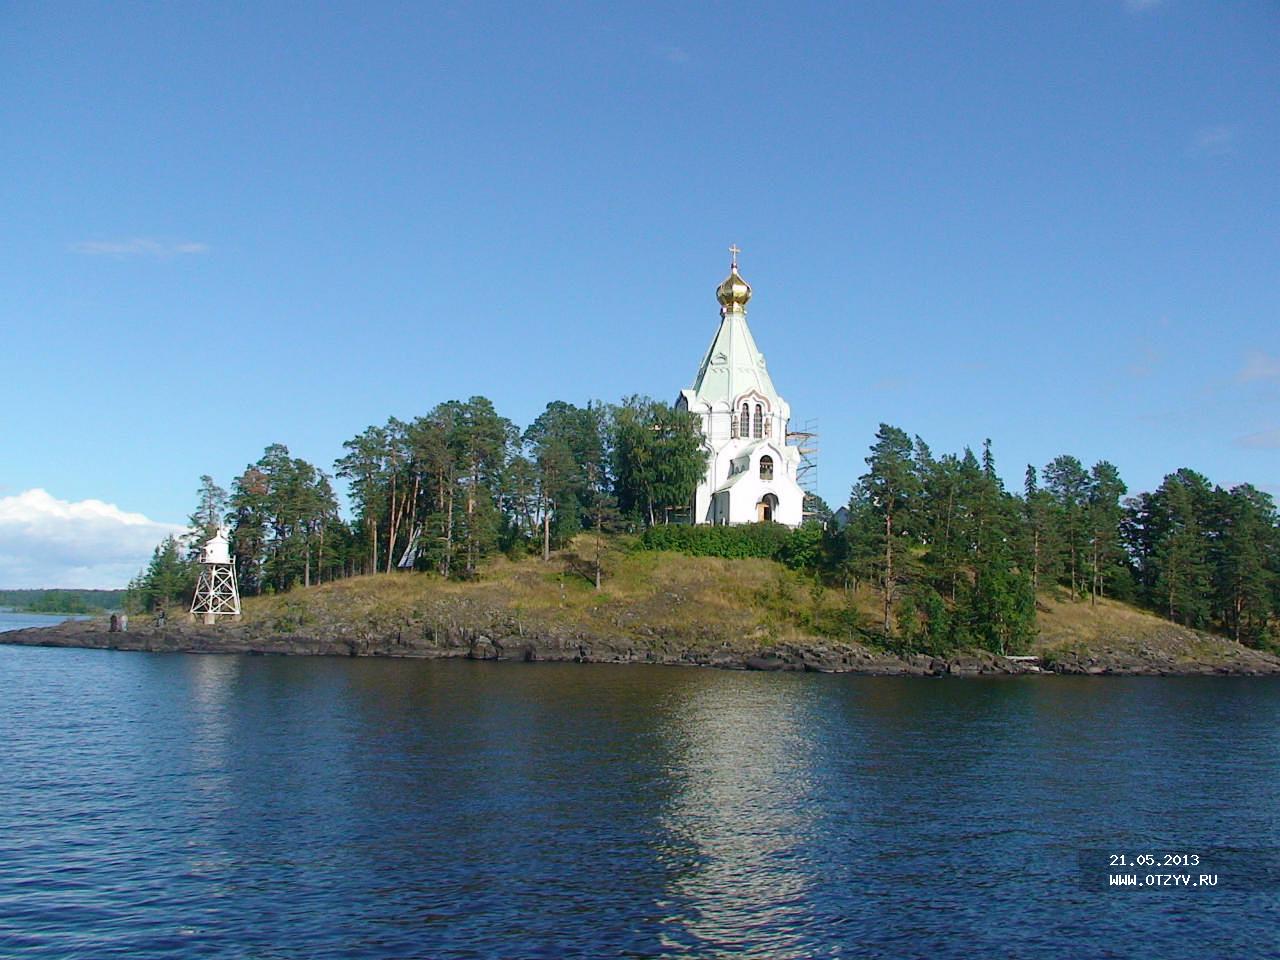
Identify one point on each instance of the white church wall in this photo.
(732, 373)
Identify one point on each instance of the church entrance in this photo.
(766, 508)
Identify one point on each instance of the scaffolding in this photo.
(805, 440)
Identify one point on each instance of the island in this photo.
(656, 607)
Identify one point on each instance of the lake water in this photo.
(187, 806)
(9, 620)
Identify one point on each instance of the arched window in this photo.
(744, 422)
(757, 429)
(768, 426)
(766, 467)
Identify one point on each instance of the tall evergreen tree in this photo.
(1243, 555)
(1038, 547)
(209, 514)
(1167, 530)
(278, 505)
(1104, 514)
(1068, 484)
(891, 486)
(168, 579)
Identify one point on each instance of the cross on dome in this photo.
(734, 293)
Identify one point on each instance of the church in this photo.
(751, 469)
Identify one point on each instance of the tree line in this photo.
(958, 559)
(954, 557)
(60, 600)
(441, 492)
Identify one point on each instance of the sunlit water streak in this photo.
(175, 806)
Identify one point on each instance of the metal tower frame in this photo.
(217, 594)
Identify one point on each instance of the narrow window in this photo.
(758, 429)
(744, 424)
(766, 467)
(768, 426)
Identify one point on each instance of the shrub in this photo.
(766, 540)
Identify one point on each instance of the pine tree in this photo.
(1068, 484)
(210, 512)
(1180, 578)
(1035, 542)
(279, 508)
(1104, 514)
(168, 579)
(891, 487)
(1244, 541)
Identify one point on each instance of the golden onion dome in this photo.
(734, 292)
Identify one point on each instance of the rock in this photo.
(492, 634)
(965, 667)
(482, 648)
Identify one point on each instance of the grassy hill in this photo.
(655, 607)
(668, 606)
(645, 595)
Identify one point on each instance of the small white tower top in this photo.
(216, 548)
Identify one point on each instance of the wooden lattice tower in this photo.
(217, 594)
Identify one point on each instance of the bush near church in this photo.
(768, 541)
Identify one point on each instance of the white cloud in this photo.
(1141, 6)
(1259, 366)
(1213, 142)
(673, 54)
(47, 542)
(140, 247)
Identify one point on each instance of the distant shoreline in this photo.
(461, 643)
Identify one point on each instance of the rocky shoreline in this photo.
(460, 642)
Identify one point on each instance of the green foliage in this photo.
(568, 448)
(804, 548)
(764, 540)
(658, 457)
(890, 489)
(61, 601)
(1202, 555)
(1068, 485)
(956, 558)
(996, 612)
(283, 515)
(945, 544)
(209, 514)
(170, 578)
(1244, 555)
(924, 621)
(817, 509)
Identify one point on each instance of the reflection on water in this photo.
(174, 806)
(742, 807)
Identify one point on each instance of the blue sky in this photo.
(221, 226)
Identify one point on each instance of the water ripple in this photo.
(176, 806)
